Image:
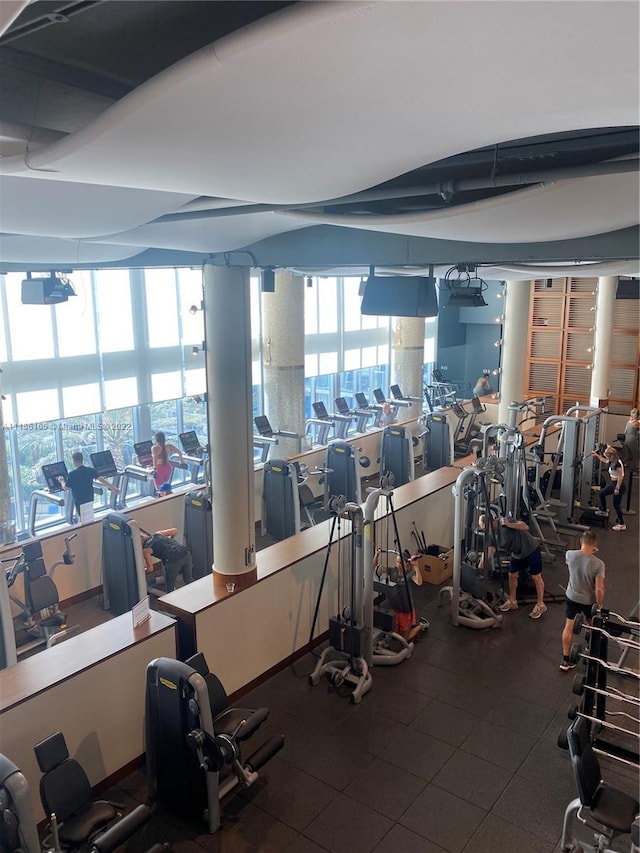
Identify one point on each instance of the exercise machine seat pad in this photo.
(614, 808)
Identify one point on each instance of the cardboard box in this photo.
(435, 570)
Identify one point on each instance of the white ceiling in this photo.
(321, 100)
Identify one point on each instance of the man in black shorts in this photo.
(524, 553)
(585, 588)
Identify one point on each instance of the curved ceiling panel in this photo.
(605, 203)
(208, 235)
(55, 252)
(227, 120)
(64, 209)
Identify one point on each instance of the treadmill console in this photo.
(477, 405)
(144, 454)
(320, 411)
(104, 463)
(263, 426)
(341, 406)
(459, 411)
(379, 396)
(361, 400)
(190, 444)
(396, 393)
(52, 472)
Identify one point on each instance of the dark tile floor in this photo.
(453, 750)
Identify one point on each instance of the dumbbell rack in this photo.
(601, 701)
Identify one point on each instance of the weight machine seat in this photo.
(225, 719)
(608, 806)
(65, 791)
(43, 593)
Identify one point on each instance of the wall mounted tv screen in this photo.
(400, 296)
(628, 288)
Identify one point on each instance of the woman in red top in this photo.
(160, 452)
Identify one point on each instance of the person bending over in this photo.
(175, 558)
(524, 553)
(585, 588)
(482, 386)
(406, 623)
(615, 487)
(80, 482)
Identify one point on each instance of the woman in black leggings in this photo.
(615, 487)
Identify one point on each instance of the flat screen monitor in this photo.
(396, 392)
(190, 443)
(52, 472)
(361, 400)
(263, 426)
(341, 406)
(628, 288)
(379, 396)
(321, 411)
(104, 463)
(144, 454)
(400, 296)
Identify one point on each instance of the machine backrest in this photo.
(578, 736)
(64, 787)
(218, 699)
(586, 770)
(42, 593)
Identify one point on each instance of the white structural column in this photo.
(229, 392)
(7, 527)
(408, 361)
(283, 361)
(515, 333)
(605, 305)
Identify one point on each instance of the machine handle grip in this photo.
(251, 724)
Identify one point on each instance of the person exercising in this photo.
(524, 553)
(585, 588)
(387, 417)
(175, 558)
(162, 468)
(80, 482)
(617, 486)
(482, 386)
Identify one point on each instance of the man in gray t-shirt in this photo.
(585, 588)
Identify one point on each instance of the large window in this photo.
(123, 358)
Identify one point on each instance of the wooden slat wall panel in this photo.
(541, 285)
(625, 315)
(546, 344)
(624, 349)
(577, 381)
(549, 309)
(544, 378)
(623, 384)
(578, 346)
(581, 314)
(583, 285)
(561, 332)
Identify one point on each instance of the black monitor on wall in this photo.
(628, 288)
(400, 296)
